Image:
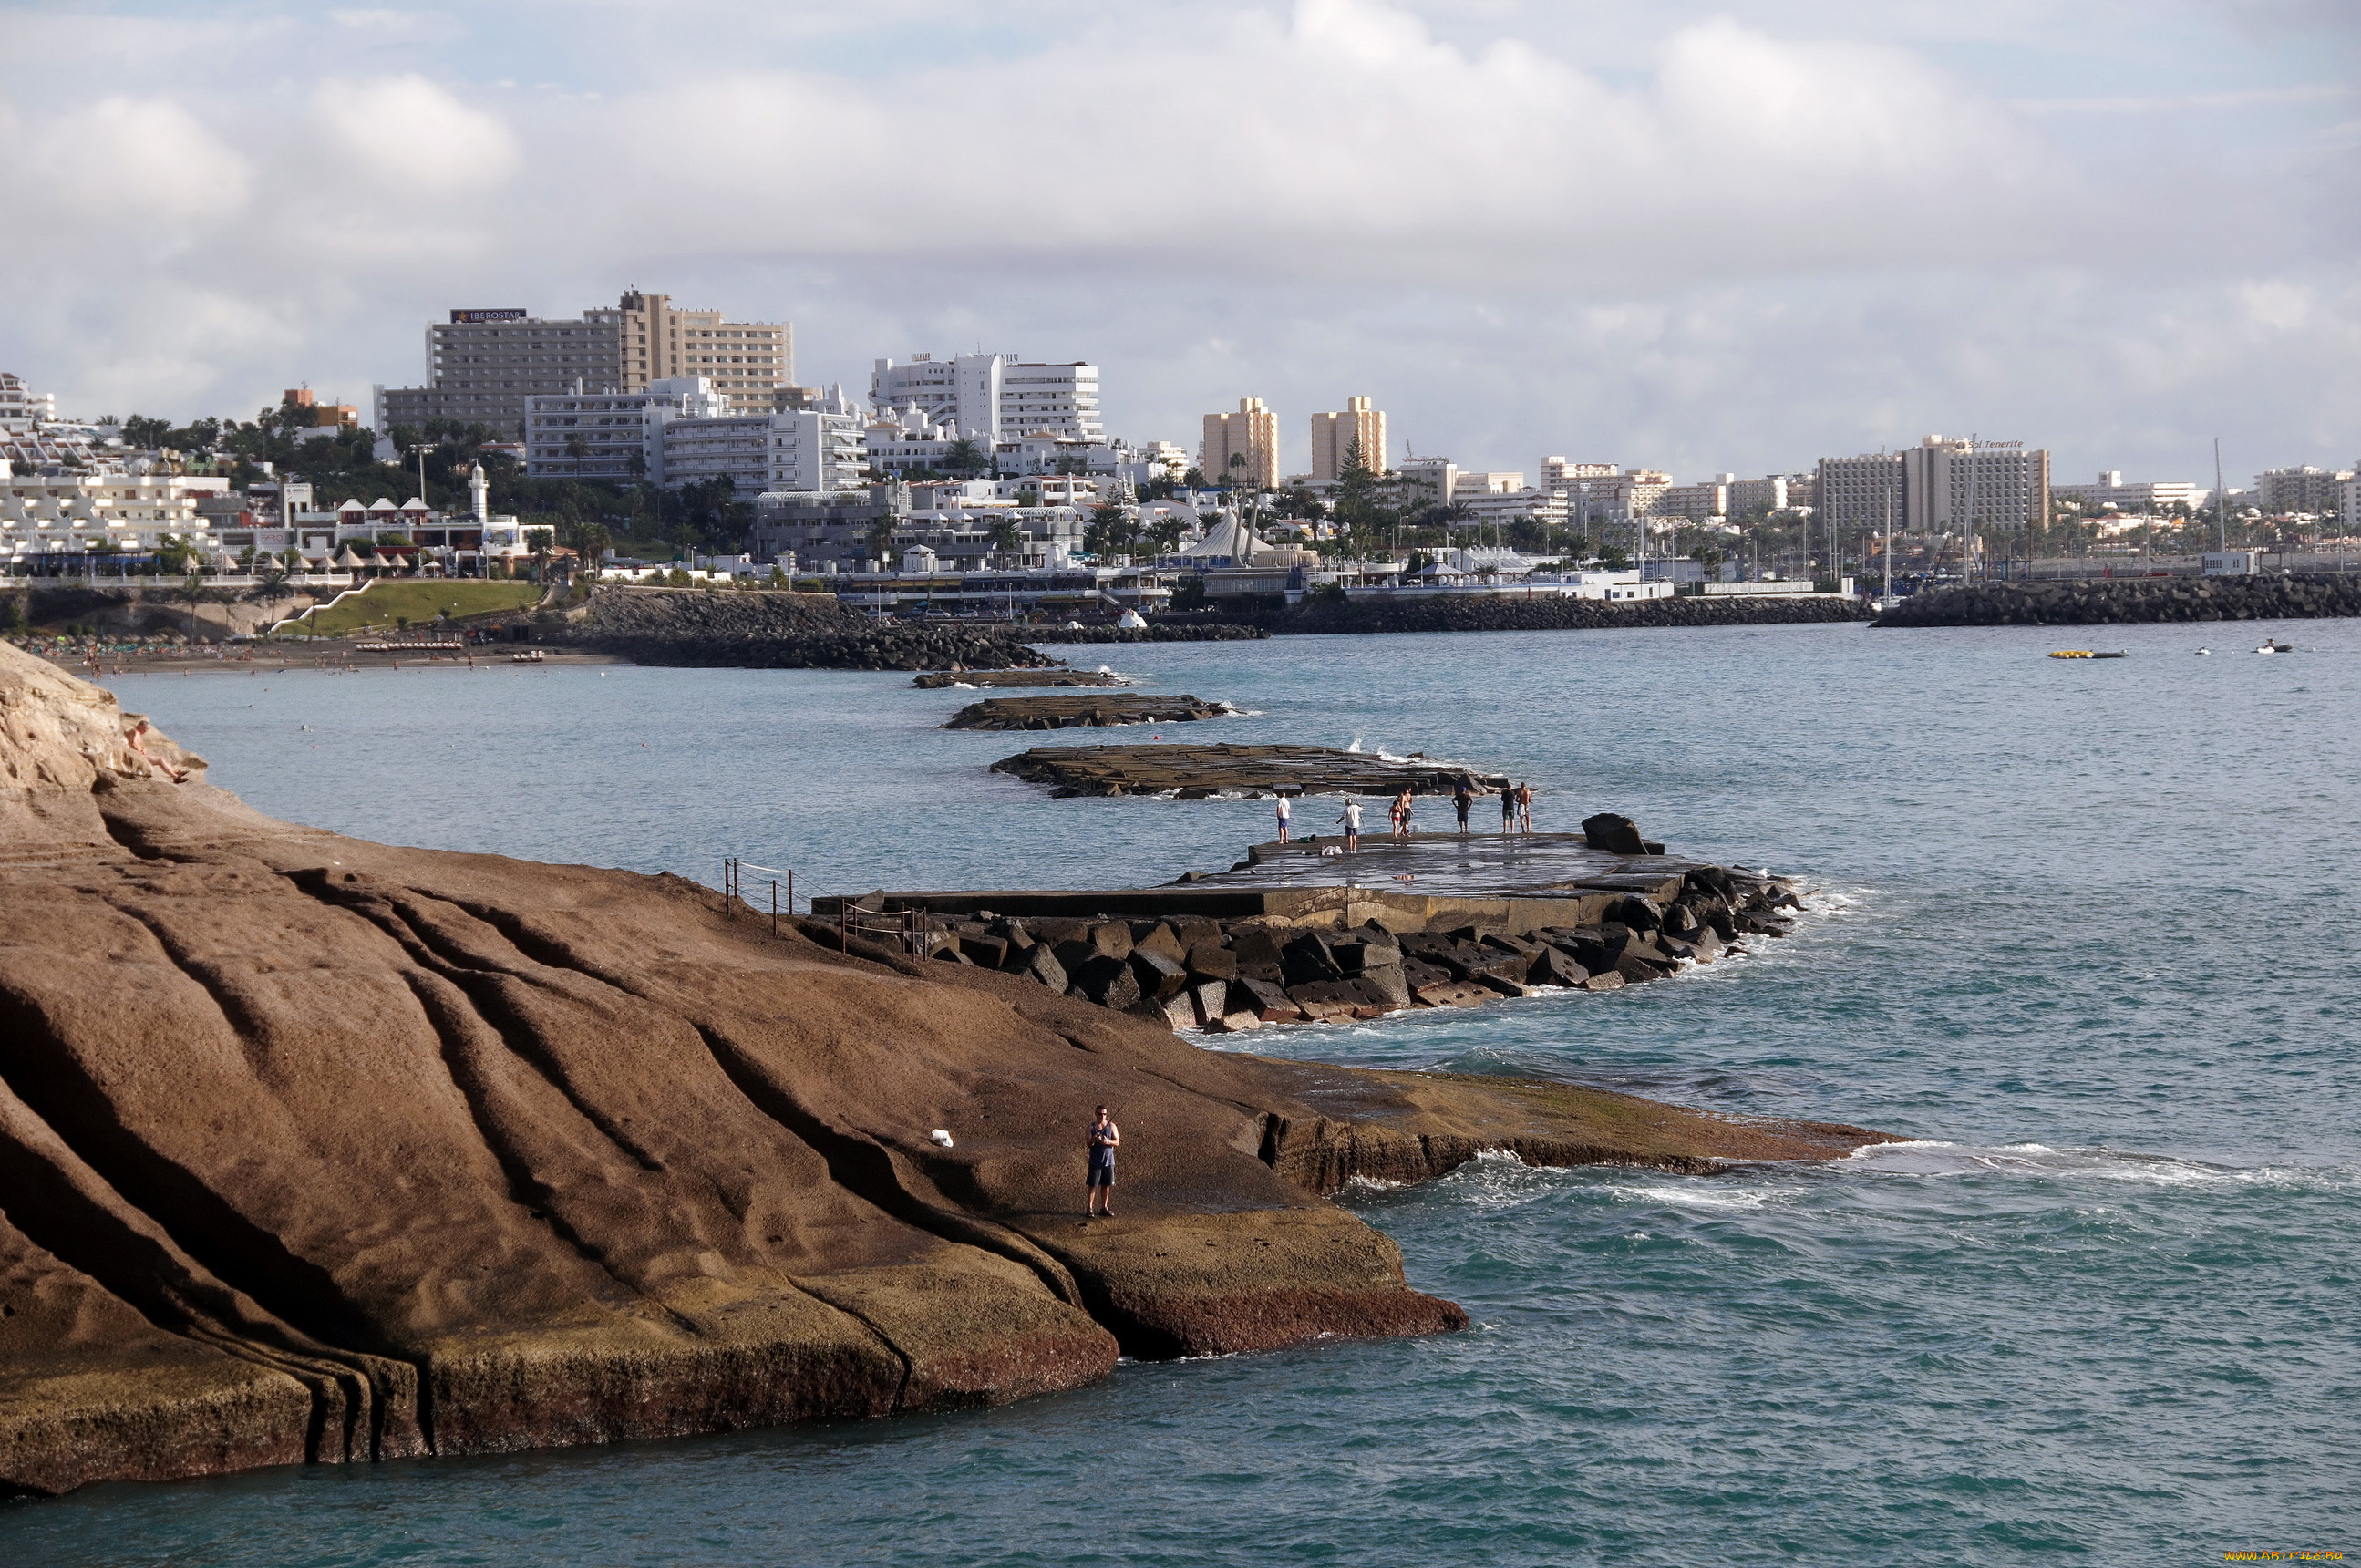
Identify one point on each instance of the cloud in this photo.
(1662, 236)
(414, 137)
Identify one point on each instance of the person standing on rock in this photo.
(1507, 808)
(1524, 808)
(1098, 1187)
(1461, 799)
(1352, 821)
(1282, 817)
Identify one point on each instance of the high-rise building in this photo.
(1862, 495)
(481, 365)
(1772, 492)
(1558, 473)
(994, 397)
(1333, 437)
(612, 436)
(1973, 487)
(1251, 435)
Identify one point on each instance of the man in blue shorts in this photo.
(1099, 1185)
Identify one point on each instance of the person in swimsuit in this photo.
(1282, 818)
(138, 732)
(1525, 808)
(1098, 1186)
(1401, 814)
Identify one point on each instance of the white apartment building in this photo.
(1975, 487)
(1773, 492)
(1437, 475)
(482, 364)
(1558, 473)
(598, 435)
(820, 449)
(1863, 494)
(994, 397)
(2148, 498)
(1615, 498)
(1706, 498)
(698, 451)
(2280, 491)
(1485, 508)
(22, 411)
(76, 513)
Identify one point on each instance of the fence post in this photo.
(774, 906)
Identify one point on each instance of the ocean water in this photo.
(2084, 932)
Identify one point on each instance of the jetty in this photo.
(935, 680)
(1194, 772)
(1080, 712)
(1302, 932)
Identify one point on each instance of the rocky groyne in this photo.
(1158, 632)
(1195, 772)
(1084, 712)
(2120, 601)
(770, 631)
(1515, 613)
(316, 1149)
(938, 680)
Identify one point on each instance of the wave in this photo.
(1937, 1158)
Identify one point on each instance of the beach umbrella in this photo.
(348, 561)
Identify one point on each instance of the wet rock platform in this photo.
(1196, 772)
(1084, 712)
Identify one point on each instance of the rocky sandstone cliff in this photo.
(315, 1149)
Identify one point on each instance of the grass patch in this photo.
(383, 604)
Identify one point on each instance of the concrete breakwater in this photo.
(1514, 612)
(1201, 632)
(936, 680)
(2107, 601)
(1279, 939)
(1085, 711)
(777, 631)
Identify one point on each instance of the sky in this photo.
(1706, 239)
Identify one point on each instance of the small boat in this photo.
(530, 656)
(2088, 654)
(2273, 645)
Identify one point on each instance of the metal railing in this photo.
(912, 930)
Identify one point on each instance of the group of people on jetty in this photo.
(1516, 812)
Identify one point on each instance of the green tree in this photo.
(966, 459)
(1111, 531)
(1007, 537)
(146, 433)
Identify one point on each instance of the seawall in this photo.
(2124, 601)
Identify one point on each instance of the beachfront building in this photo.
(1561, 473)
(1490, 507)
(1335, 435)
(1862, 495)
(1251, 436)
(994, 397)
(1615, 498)
(483, 363)
(612, 436)
(2112, 492)
(968, 524)
(736, 447)
(822, 449)
(22, 411)
(1973, 487)
(50, 521)
(1771, 493)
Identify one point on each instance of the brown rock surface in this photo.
(314, 1148)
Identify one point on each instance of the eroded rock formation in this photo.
(317, 1150)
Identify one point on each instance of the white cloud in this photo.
(417, 138)
(145, 163)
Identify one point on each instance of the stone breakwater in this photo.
(1227, 975)
(1189, 771)
(1512, 612)
(1209, 631)
(316, 1149)
(769, 631)
(1084, 711)
(2109, 601)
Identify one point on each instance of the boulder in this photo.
(1306, 960)
(1156, 937)
(1267, 998)
(1158, 976)
(1108, 983)
(1041, 964)
(1616, 834)
(1324, 1000)
(1165, 1012)
(1211, 960)
(1111, 937)
(1385, 987)
(1210, 999)
(1551, 966)
(1607, 981)
(1256, 949)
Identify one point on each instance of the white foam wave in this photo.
(1703, 1196)
(2040, 1162)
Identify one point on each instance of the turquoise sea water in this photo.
(2086, 931)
